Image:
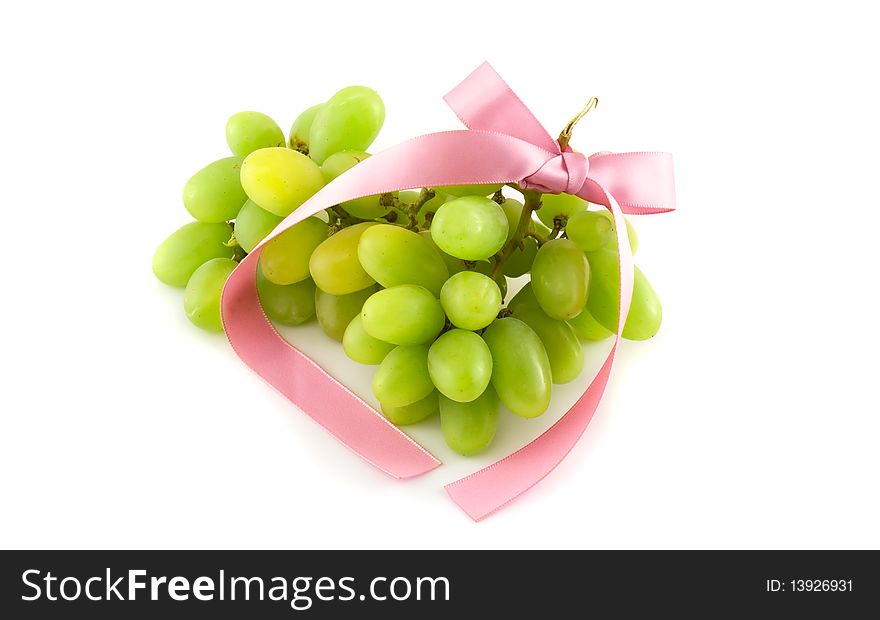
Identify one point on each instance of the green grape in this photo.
(350, 120)
(298, 138)
(248, 131)
(587, 328)
(645, 312)
(469, 428)
(512, 211)
(409, 196)
(290, 304)
(525, 295)
(285, 258)
(460, 191)
(187, 248)
(470, 228)
(589, 230)
(537, 228)
(280, 179)
(460, 365)
(393, 255)
(470, 299)
(520, 261)
(486, 268)
(361, 346)
(335, 312)
(334, 264)
(413, 412)
(366, 208)
(630, 232)
(559, 205)
(520, 368)
(402, 378)
(214, 193)
(453, 265)
(563, 348)
(560, 278)
(253, 224)
(404, 315)
(202, 297)
(430, 207)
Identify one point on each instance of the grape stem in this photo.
(340, 218)
(233, 242)
(532, 203)
(411, 211)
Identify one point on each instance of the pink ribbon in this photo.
(505, 143)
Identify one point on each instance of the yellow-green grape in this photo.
(253, 224)
(520, 261)
(413, 412)
(471, 300)
(645, 312)
(469, 428)
(589, 230)
(404, 315)
(512, 211)
(393, 255)
(587, 328)
(402, 378)
(334, 264)
(520, 368)
(285, 259)
(298, 138)
(214, 193)
(460, 365)
(563, 348)
(525, 295)
(559, 205)
(630, 232)
(453, 265)
(361, 346)
(350, 120)
(280, 179)
(291, 304)
(248, 131)
(560, 278)
(335, 312)
(470, 190)
(202, 297)
(470, 228)
(187, 248)
(366, 208)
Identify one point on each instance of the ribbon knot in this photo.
(566, 173)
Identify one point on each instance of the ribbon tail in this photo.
(491, 488)
(348, 418)
(642, 183)
(487, 491)
(447, 158)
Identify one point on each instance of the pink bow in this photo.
(505, 144)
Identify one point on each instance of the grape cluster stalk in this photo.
(413, 282)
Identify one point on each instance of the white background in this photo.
(751, 420)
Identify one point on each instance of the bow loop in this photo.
(563, 173)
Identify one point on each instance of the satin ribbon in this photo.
(505, 143)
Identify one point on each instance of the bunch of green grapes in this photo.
(236, 201)
(413, 282)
